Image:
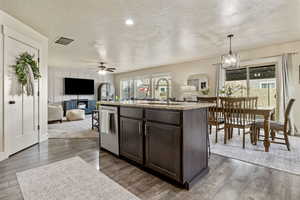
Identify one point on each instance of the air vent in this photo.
(64, 41)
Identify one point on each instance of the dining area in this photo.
(238, 128)
(241, 129)
(243, 114)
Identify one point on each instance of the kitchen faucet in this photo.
(168, 87)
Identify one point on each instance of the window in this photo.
(160, 91)
(141, 88)
(267, 85)
(262, 83)
(253, 81)
(236, 82)
(126, 89)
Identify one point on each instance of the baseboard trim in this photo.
(3, 156)
(44, 137)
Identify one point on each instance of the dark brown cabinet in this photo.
(170, 142)
(131, 139)
(163, 149)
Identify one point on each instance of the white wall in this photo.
(56, 77)
(18, 26)
(181, 71)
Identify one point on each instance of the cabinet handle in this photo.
(140, 132)
(146, 129)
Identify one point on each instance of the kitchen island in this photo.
(167, 139)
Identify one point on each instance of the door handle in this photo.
(12, 102)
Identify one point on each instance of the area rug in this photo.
(278, 156)
(71, 179)
(72, 129)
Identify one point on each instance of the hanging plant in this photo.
(27, 70)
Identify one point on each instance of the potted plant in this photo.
(205, 92)
(230, 90)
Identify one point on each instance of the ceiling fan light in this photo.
(102, 72)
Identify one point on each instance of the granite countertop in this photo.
(158, 105)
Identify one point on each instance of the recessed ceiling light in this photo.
(129, 22)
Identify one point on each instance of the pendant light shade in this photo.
(230, 60)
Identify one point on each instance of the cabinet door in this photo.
(163, 149)
(131, 139)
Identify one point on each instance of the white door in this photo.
(21, 111)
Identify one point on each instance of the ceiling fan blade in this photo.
(111, 68)
(102, 67)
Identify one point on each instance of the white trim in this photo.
(260, 62)
(20, 37)
(3, 156)
(43, 137)
(1, 94)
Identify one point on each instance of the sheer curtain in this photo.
(220, 78)
(285, 90)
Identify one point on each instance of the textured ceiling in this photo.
(165, 31)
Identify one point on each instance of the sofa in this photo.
(55, 113)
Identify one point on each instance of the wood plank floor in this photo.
(227, 179)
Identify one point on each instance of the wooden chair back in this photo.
(287, 115)
(250, 103)
(213, 113)
(234, 110)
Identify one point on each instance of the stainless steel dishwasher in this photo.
(109, 129)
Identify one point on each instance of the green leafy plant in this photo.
(24, 60)
(205, 92)
(231, 89)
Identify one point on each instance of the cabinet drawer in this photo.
(131, 112)
(171, 117)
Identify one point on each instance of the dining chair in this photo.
(277, 126)
(236, 115)
(215, 117)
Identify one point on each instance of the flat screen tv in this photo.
(76, 86)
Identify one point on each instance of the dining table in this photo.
(268, 113)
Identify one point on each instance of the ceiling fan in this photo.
(103, 69)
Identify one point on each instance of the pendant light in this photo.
(230, 60)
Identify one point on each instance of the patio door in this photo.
(257, 81)
(262, 83)
(21, 118)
